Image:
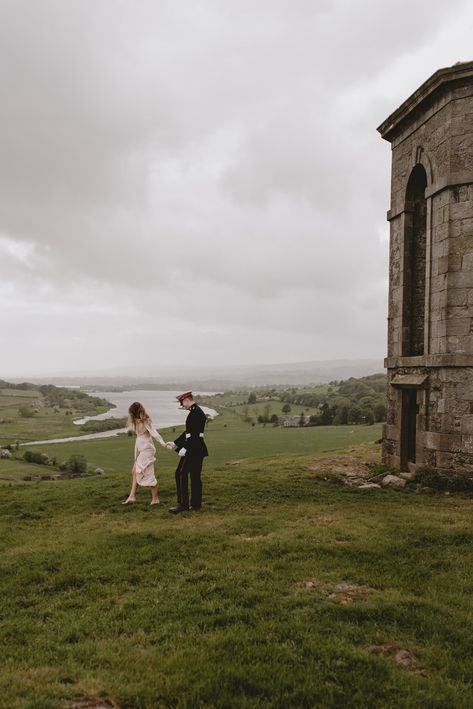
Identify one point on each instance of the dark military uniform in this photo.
(191, 464)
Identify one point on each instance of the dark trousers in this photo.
(192, 467)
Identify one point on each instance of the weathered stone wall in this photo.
(459, 277)
(445, 419)
(437, 134)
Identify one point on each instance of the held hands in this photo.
(172, 446)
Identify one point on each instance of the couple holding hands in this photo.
(190, 446)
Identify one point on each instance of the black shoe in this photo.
(178, 508)
(195, 509)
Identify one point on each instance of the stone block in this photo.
(440, 248)
(454, 262)
(438, 328)
(466, 392)
(460, 345)
(456, 311)
(467, 261)
(461, 210)
(393, 481)
(407, 476)
(468, 443)
(451, 442)
(457, 297)
(392, 432)
(439, 283)
(458, 325)
(460, 279)
(444, 460)
(431, 440)
(467, 424)
(440, 265)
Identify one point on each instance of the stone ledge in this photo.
(454, 179)
(438, 81)
(449, 442)
(409, 380)
(440, 360)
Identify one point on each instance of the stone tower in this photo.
(430, 321)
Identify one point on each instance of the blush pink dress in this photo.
(145, 453)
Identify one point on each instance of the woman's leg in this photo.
(154, 495)
(132, 496)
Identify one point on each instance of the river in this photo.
(161, 406)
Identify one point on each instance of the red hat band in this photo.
(187, 395)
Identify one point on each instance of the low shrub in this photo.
(76, 464)
(429, 477)
(26, 412)
(106, 425)
(460, 483)
(381, 469)
(36, 457)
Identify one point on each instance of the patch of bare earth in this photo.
(91, 703)
(356, 468)
(343, 593)
(254, 538)
(400, 655)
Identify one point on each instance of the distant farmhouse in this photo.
(289, 421)
(430, 323)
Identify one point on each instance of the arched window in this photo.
(414, 264)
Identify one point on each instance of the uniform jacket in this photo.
(193, 437)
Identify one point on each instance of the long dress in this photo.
(145, 453)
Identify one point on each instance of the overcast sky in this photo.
(201, 182)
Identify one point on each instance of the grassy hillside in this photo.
(352, 401)
(229, 439)
(287, 590)
(29, 412)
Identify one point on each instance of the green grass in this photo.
(229, 439)
(237, 404)
(212, 609)
(47, 423)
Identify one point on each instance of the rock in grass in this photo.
(400, 655)
(393, 481)
(407, 476)
(4, 453)
(99, 471)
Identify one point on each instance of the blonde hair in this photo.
(136, 414)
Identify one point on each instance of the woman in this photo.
(142, 472)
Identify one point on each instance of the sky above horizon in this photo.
(202, 183)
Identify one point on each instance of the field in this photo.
(237, 403)
(47, 422)
(239, 605)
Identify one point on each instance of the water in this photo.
(161, 406)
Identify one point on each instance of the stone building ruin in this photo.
(430, 320)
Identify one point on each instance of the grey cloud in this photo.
(209, 166)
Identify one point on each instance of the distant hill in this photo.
(225, 377)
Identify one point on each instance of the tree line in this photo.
(350, 401)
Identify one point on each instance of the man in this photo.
(192, 450)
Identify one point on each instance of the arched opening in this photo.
(414, 264)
